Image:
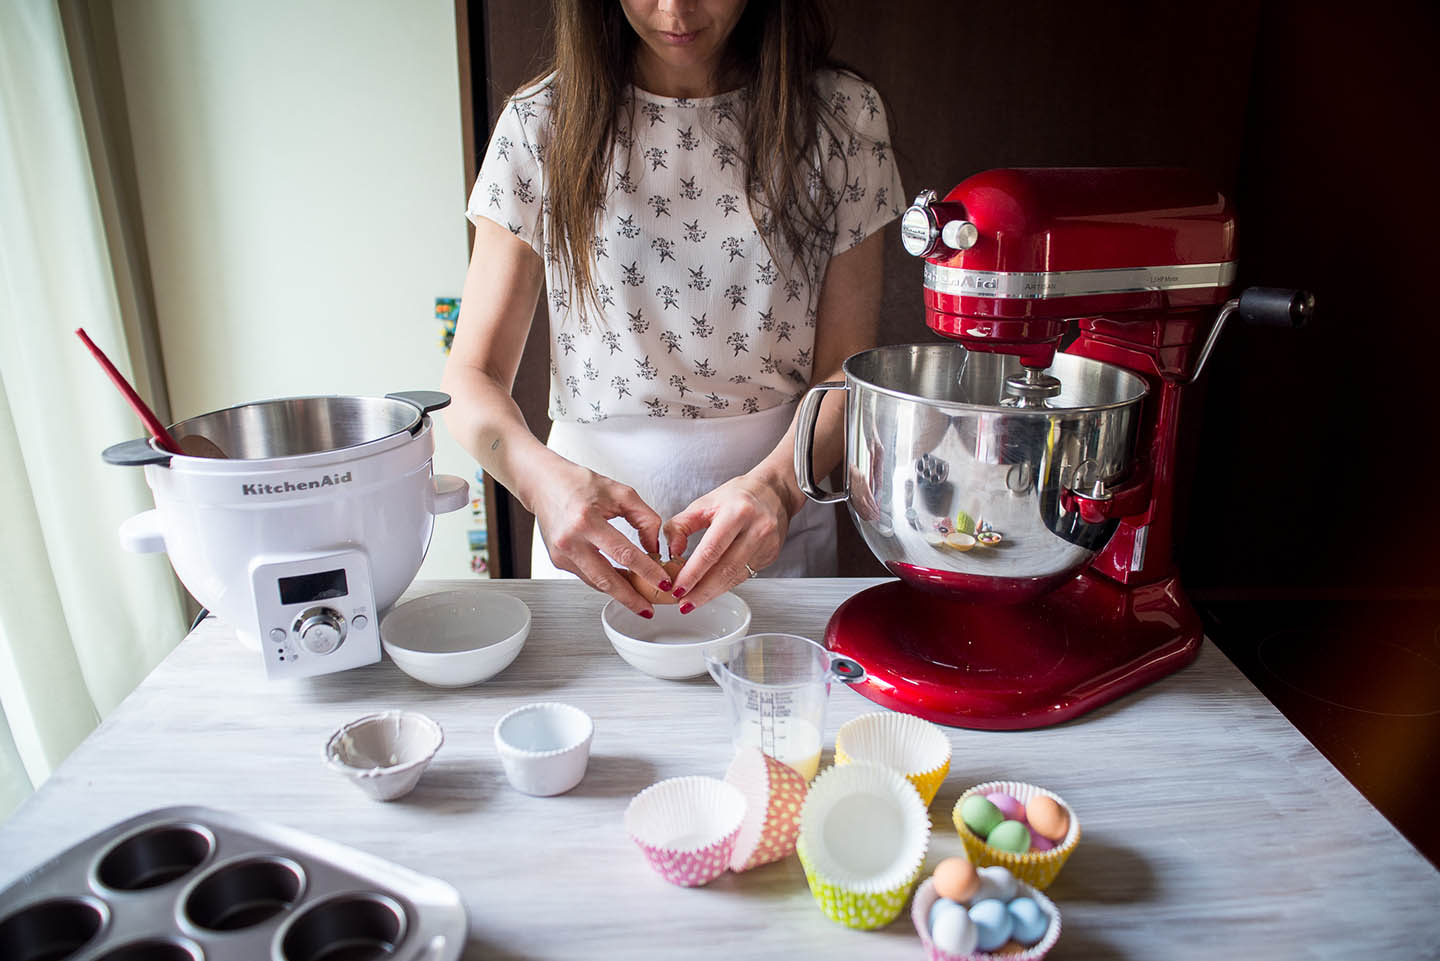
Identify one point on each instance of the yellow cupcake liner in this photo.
(854, 909)
(909, 745)
(1038, 868)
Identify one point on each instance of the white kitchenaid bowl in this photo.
(457, 637)
(672, 645)
(279, 498)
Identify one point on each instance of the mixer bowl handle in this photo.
(448, 493)
(143, 533)
(805, 444)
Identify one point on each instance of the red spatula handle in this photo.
(152, 423)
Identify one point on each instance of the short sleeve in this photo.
(862, 166)
(508, 189)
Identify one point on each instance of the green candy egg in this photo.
(980, 815)
(1009, 836)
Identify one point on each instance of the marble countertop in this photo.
(1212, 828)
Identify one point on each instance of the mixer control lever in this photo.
(1267, 306)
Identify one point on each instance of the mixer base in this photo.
(1011, 667)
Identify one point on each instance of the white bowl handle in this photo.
(142, 534)
(450, 493)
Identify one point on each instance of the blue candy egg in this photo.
(951, 929)
(992, 923)
(940, 907)
(1030, 921)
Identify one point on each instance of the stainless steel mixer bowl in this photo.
(293, 426)
(954, 490)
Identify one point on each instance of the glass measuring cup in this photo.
(776, 688)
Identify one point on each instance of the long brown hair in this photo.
(771, 57)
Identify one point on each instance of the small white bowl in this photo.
(455, 638)
(672, 645)
(544, 747)
(384, 754)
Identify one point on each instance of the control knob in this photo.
(320, 629)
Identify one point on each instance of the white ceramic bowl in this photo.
(384, 754)
(544, 747)
(456, 637)
(672, 645)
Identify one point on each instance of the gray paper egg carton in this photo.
(197, 884)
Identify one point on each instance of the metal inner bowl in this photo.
(347, 928)
(244, 894)
(949, 374)
(154, 857)
(50, 930)
(963, 485)
(292, 426)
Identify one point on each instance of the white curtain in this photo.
(81, 621)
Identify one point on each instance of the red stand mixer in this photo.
(1024, 494)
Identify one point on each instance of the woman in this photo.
(699, 190)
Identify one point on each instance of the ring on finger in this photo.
(753, 571)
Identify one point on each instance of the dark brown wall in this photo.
(1305, 472)
(1318, 456)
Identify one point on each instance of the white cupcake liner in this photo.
(914, 747)
(775, 794)
(925, 897)
(864, 828)
(687, 827)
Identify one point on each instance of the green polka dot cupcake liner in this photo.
(863, 836)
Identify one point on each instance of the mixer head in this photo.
(1013, 256)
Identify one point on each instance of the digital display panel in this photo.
(304, 588)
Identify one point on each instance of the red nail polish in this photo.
(666, 585)
(686, 608)
(647, 614)
(679, 592)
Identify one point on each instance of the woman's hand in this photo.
(745, 521)
(573, 508)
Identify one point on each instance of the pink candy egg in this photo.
(1039, 842)
(1009, 806)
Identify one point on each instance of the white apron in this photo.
(671, 461)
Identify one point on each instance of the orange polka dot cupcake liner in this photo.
(1036, 868)
(775, 795)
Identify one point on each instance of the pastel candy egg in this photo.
(1011, 836)
(1009, 806)
(992, 923)
(951, 929)
(980, 815)
(996, 882)
(1048, 817)
(956, 879)
(1039, 842)
(1029, 922)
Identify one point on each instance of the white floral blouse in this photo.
(698, 320)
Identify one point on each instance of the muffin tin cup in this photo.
(925, 897)
(910, 745)
(1036, 868)
(774, 795)
(863, 836)
(195, 883)
(686, 827)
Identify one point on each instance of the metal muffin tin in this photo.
(197, 884)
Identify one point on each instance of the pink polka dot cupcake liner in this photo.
(775, 795)
(686, 827)
(925, 897)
